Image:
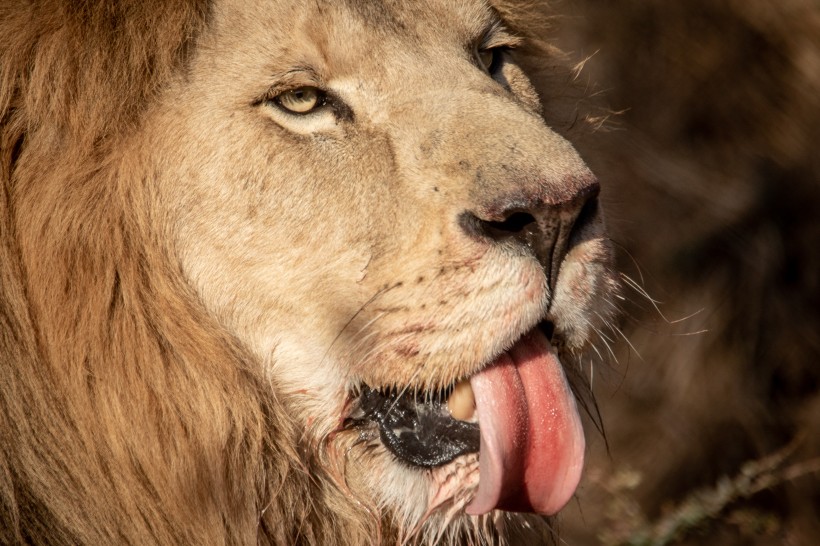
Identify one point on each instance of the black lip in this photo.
(416, 427)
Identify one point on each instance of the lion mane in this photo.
(128, 414)
(109, 369)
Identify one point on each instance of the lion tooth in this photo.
(461, 403)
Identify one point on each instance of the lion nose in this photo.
(540, 225)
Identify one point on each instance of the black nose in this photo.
(538, 225)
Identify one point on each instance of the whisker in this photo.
(370, 323)
(362, 339)
(603, 335)
(696, 313)
(631, 257)
(607, 345)
(640, 290)
(696, 333)
(591, 374)
(373, 298)
(631, 346)
(404, 390)
(378, 347)
(614, 329)
(594, 348)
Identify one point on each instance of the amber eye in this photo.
(300, 100)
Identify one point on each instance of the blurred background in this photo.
(710, 163)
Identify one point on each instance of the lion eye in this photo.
(300, 100)
(488, 58)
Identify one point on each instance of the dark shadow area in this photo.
(711, 181)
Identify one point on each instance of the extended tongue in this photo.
(532, 442)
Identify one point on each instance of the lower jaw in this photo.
(506, 485)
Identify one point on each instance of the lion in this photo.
(279, 273)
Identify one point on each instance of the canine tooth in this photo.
(461, 403)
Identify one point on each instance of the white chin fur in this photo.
(424, 502)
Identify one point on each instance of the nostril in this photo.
(515, 223)
(544, 226)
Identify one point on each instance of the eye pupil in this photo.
(299, 101)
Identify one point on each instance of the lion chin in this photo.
(285, 273)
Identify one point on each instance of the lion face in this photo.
(379, 213)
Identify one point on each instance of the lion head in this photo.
(279, 272)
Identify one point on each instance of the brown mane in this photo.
(97, 333)
(120, 396)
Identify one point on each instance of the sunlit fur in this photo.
(192, 284)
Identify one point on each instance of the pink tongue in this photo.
(532, 442)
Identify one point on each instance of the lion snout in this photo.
(538, 223)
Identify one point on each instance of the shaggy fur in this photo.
(136, 403)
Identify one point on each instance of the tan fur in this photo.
(191, 284)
